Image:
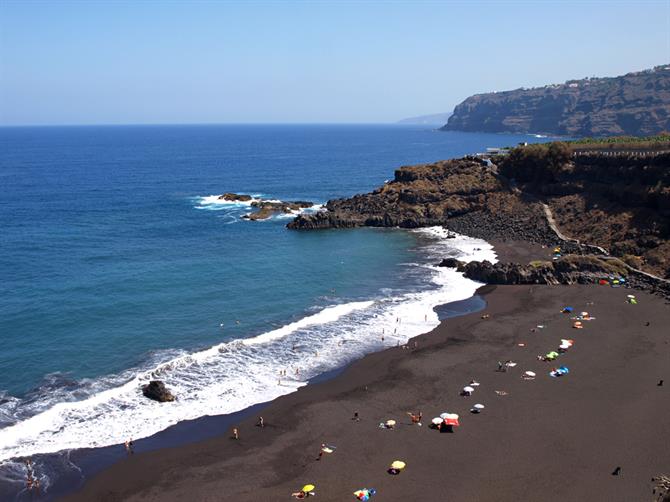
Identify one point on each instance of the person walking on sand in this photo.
(236, 434)
(261, 422)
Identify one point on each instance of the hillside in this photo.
(634, 104)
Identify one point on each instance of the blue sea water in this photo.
(117, 265)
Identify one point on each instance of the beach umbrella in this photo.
(437, 421)
(477, 408)
(398, 465)
(566, 310)
(390, 423)
(584, 314)
(308, 488)
(468, 389)
(530, 373)
(444, 415)
(630, 296)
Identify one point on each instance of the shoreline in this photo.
(548, 440)
(86, 463)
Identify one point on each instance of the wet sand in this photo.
(547, 439)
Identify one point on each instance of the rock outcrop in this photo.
(235, 197)
(635, 104)
(567, 270)
(157, 391)
(463, 195)
(267, 209)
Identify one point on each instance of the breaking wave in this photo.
(236, 374)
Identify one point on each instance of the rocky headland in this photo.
(636, 103)
(589, 203)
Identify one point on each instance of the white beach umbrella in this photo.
(479, 406)
(468, 389)
(437, 420)
(530, 373)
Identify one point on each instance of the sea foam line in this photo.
(234, 375)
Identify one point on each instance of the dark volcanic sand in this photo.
(549, 439)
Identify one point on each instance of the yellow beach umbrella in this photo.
(308, 488)
(398, 464)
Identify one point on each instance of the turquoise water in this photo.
(116, 268)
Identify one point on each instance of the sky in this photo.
(127, 62)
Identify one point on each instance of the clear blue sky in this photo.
(89, 62)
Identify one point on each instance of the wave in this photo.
(236, 374)
(214, 203)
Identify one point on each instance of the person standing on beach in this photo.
(236, 434)
(261, 422)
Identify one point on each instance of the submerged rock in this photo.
(157, 391)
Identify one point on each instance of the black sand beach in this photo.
(546, 439)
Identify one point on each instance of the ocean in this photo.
(119, 264)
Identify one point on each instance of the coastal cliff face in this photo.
(619, 203)
(462, 194)
(634, 104)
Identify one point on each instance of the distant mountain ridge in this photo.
(432, 119)
(637, 104)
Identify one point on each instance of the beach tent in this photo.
(551, 355)
(557, 372)
(451, 419)
(390, 424)
(365, 493)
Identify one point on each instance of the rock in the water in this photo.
(235, 197)
(157, 391)
(449, 263)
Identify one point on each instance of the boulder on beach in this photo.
(157, 391)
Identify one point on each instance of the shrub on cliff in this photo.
(541, 163)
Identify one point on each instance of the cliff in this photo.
(621, 203)
(463, 194)
(634, 104)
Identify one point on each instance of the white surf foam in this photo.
(234, 375)
(215, 203)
